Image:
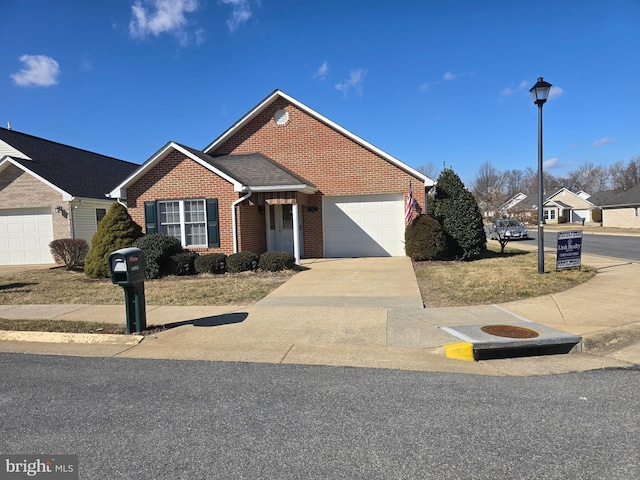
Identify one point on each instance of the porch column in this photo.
(296, 233)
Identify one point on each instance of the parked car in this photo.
(507, 228)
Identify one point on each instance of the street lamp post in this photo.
(540, 93)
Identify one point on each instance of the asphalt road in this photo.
(617, 246)
(157, 419)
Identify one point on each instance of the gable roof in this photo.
(428, 182)
(623, 198)
(251, 171)
(71, 171)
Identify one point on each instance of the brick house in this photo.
(282, 178)
(50, 191)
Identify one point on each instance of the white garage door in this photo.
(363, 225)
(24, 236)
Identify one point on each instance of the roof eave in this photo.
(6, 160)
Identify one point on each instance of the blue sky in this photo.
(434, 81)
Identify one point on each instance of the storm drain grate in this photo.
(509, 331)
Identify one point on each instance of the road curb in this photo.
(58, 337)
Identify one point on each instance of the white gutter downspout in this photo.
(233, 219)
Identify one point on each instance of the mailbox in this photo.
(128, 269)
(127, 266)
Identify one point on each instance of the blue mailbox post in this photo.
(128, 269)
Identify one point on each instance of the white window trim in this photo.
(183, 223)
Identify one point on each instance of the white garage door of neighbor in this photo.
(25, 235)
(363, 225)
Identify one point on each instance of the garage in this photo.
(363, 225)
(25, 235)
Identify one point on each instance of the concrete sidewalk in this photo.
(367, 312)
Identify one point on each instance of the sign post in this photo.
(569, 251)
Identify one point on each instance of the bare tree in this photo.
(625, 176)
(514, 183)
(588, 177)
(429, 169)
(487, 188)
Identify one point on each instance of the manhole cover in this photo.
(509, 331)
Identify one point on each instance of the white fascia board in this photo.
(285, 188)
(66, 196)
(9, 150)
(428, 182)
(121, 190)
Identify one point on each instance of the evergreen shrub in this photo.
(115, 231)
(181, 263)
(157, 249)
(241, 262)
(276, 261)
(425, 240)
(211, 263)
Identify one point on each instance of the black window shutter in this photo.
(213, 226)
(150, 221)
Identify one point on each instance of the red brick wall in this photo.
(324, 157)
(178, 177)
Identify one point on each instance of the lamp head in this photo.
(540, 91)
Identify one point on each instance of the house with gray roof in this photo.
(281, 178)
(50, 191)
(620, 207)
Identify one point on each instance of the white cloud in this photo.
(555, 92)
(552, 163)
(449, 76)
(241, 12)
(322, 71)
(356, 77)
(39, 71)
(603, 141)
(511, 89)
(155, 17)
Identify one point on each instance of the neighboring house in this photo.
(50, 191)
(564, 206)
(620, 208)
(282, 178)
(507, 207)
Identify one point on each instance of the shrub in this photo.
(457, 211)
(276, 261)
(241, 261)
(211, 263)
(69, 251)
(115, 231)
(181, 263)
(157, 249)
(424, 239)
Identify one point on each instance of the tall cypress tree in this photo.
(457, 211)
(115, 231)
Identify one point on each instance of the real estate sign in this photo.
(569, 249)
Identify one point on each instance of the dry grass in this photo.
(58, 286)
(65, 326)
(493, 279)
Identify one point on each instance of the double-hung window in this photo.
(184, 220)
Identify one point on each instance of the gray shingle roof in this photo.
(622, 198)
(78, 172)
(252, 169)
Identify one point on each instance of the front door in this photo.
(280, 222)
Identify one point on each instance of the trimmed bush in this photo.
(425, 240)
(157, 249)
(276, 261)
(181, 263)
(241, 262)
(115, 231)
(211, 263)
(457, 211)
(69, 251)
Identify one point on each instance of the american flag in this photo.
(408, 209)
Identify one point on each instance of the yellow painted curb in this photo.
(459, 351)
(57, 337)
